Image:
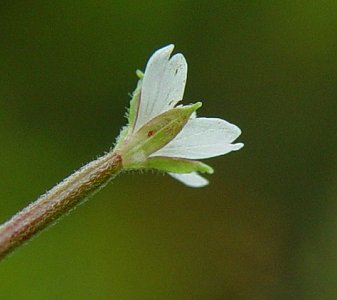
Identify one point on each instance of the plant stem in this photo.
(58, 201)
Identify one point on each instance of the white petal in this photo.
(163, 84)
(191, 179)
(203, 138)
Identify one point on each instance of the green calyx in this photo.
(154, 135)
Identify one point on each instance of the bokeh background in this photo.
(266, 226)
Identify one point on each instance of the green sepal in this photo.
(155, 134)
(134, 104)
(177, 165)
(132, 111)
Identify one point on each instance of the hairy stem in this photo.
(58, 201)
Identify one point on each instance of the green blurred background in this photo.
(266, 226)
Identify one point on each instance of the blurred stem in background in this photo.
(58, 201)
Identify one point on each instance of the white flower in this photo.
(169, 138)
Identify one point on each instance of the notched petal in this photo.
(203, 138)
(163, 84)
